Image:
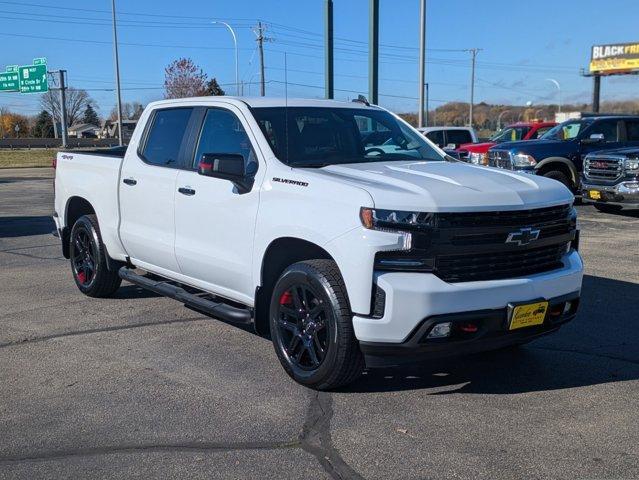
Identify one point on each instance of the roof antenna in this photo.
(286, 104)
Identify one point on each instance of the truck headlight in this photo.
(523, 160)
(478, 158)
(632, 164)
(394, 220)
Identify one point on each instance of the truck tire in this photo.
(560, 177)
(312, 327)
(88, 259)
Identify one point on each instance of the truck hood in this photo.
(477, 147)
(526, 145)
(448, 186)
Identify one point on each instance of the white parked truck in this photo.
(288, 215)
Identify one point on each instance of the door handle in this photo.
(130, 181)
(186, 191)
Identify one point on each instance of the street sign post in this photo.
(33, 79)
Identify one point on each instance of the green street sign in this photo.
(40, 61)
(9, 82)
(12, 68)
(33, 79)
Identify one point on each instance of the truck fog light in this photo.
(440, 330)
(567, 307)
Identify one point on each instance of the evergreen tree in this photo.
(213, 88)
(90, 116)
(43, 126)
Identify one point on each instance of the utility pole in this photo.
(427, 106)
(259, 31)
(329, 83)
(373, 53)
(422, 61)
(63, 108)
(474, 52)
(116, 59)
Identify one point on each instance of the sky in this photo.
(523, 44)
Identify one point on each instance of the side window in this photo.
(164, 140)
(437, 137)
(632, 130)
(608, 128)
(222, 132)
(458, 137)
(539, 132)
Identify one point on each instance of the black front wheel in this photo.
(311, 326)
(88, 259)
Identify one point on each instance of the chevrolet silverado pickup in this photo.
(611, 179)
(276, 214)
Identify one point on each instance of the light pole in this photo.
(558, 92)
(422, 60)
(499, 119)
(117, 81)
(237, 63)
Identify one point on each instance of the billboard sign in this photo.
(615, 58)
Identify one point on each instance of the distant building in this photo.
(110, 129)
(84, 130)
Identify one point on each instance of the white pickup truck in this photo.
(289, 216)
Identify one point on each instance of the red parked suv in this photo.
(476, 152)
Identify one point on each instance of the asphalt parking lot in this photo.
(140, 387)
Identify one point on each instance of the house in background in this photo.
(84, 130)
(110, 129)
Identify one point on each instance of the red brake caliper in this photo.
(286, 298)
(81, 277)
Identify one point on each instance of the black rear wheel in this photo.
(88, 259)
(311, 326)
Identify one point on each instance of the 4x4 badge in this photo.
(523, 236)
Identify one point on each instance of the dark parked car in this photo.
(560, 152)
(611, 179)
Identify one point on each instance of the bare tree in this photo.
(77, 101)
(183, 78)
(130, 111)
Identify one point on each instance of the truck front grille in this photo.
(465, 247)
(495, 266)
(603, 167)
(500, 159)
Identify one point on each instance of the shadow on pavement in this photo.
(601, 345)
(129, 292)
(25, 226)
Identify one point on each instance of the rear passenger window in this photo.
(458, 137)
(632, 131)
(606, 127)
(165, 137)
(437, 137)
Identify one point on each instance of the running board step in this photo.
(167, 289)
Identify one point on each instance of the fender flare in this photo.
(571, 166)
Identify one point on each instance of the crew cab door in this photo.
(214, 222)
(147, 189)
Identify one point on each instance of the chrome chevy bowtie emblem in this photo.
(523, 236)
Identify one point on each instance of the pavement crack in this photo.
(592, 354)
(98, 330)
(150, 447)
(316, 438)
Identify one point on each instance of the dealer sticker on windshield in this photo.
(528, 315)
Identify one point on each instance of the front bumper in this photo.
(621, 194)
(413, 298)
(492, 334)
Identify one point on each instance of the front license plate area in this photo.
(595, 194)
(527, 315)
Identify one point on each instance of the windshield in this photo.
(565, 131)
(319, 136)
(510, 134)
